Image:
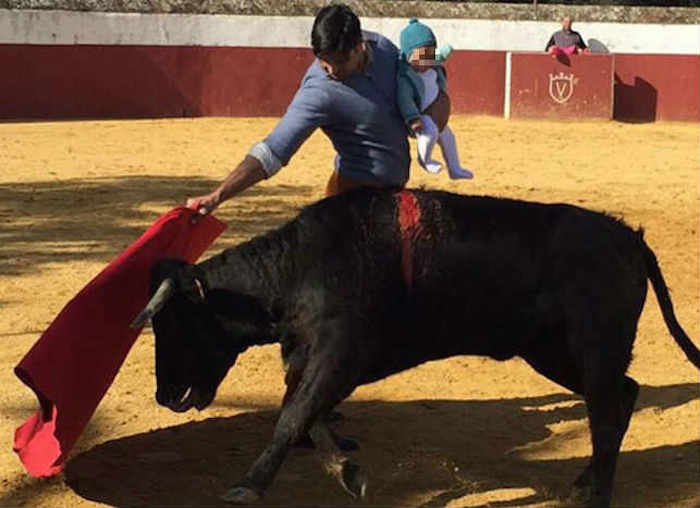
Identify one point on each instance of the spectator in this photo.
(566, 41)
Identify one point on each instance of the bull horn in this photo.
(165, 291)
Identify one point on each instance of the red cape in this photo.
(76, 359)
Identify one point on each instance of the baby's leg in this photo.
(448, 144)
(426, 142)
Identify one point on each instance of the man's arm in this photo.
(307, 111)
(246, 174)
(550, 43)
(581, 45)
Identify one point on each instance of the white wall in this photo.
(533, 35)
(68, 27)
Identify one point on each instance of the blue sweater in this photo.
(359, 115)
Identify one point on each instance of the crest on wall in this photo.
(561, 87)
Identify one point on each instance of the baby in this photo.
(421, 78)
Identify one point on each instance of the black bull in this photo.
(354, 295)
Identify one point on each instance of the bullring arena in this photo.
(462, 432)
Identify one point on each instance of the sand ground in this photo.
(461, 432)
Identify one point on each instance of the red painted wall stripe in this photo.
(83, 81)
(657, 87)
(475, 82)
(148, 81)
(158, 81)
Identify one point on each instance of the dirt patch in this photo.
(461, 432)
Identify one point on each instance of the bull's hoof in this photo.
(241, 495)
(354, 480)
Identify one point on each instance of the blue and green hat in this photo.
(416, 35)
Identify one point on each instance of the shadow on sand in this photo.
(95, 219)
(434, 450)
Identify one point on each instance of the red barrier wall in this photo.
(475, 82)
(147, 81)
(82, 81)
(657, 87)
(579, 86)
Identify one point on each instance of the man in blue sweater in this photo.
(349, 91)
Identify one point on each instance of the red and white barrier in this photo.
(63, 64)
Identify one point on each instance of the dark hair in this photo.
(336, 30)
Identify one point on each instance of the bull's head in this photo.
(199, 334)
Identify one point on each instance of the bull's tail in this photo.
(659, 284)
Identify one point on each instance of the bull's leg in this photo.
(604, 391)
(582, 485)
(345, 444)
(292, 379)
(351, 477)
(552, 357)
(323, 384)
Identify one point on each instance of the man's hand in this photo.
(204, 204)
(247, 173)
(416, 125)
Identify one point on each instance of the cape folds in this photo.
(76, 359)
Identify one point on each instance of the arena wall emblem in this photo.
(561, 87)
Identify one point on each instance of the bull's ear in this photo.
(163, 269)
(191, 282)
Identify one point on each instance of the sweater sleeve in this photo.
(308, 110)
(407, 105)
(550, 43)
